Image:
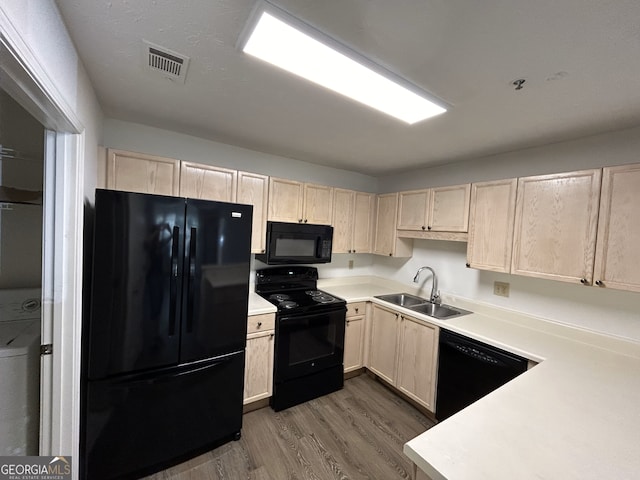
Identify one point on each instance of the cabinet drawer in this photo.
(260, 323)
(356, 308)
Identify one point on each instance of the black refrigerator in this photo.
(165, 334)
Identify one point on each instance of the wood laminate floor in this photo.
(356, 433)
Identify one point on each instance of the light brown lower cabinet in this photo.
(417, 360)
(403, 352)
(384, 343)
(258, 371)
(354, 336)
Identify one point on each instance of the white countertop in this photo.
(258, 305)
(576, 415)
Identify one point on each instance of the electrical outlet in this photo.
(501, 289)
(350, 264)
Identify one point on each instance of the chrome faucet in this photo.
(435, 294)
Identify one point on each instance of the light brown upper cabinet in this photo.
(207, 182)
(137, 172)
(318, 204)
(618, 246)
(253, 189)
(292, 201)
(352, 221)
(285, 200)
(386, 241)
(555, 226)
(364, 205)
(491, 219)
(434, 210)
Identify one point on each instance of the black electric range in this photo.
(309, 339)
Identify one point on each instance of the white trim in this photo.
(48, 292)
(28, 82)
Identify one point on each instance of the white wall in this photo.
(613, 148)
(607, 311)
(602, 310)
(144, 139)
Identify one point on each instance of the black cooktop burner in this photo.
(287, 304)
(279, 297)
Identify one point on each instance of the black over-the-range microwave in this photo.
(290, 243)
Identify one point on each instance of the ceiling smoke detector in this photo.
(167, 63)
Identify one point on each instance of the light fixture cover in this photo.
(279, 43)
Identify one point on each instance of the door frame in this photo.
(24, 78)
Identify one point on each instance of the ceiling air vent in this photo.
(165, 62)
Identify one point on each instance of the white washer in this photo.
(19, 371)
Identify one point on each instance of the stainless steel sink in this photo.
(424, 306)
(438, 311)
(402, 299)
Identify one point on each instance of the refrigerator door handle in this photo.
(174, 280)
(192, 278)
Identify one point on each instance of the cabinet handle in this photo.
(271, 335)
(423, 227)
(259, 324)
(263, 250)
(429, 227)
(299, 220)
(584, 281)
(349, 251)
(599, 283)
(305, 220)
(354, 251)
(397, 315)
(468, 265)
(356, 310)
(391, 254)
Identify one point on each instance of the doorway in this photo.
(21, 226)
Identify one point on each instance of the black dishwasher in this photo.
(468, 370)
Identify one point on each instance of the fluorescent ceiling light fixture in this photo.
(279, 43)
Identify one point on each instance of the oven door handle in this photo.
(307, 315)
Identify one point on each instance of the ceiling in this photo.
(580, 59)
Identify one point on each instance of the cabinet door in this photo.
(386, 208)
(555, 226)
(362, 222)
(208, 183)
(253, 189)
(413, 210)
(386, 241)
(384, 344)
(343, 205)
(618, 246)
(353, 344)
(258, 370)
(417, 361)
(136, 172)
(491, 219)
(285, 200)
(449, 208)
(318, 204)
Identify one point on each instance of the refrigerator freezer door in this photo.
(216, 279)
(137, 268)
(141, 423)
